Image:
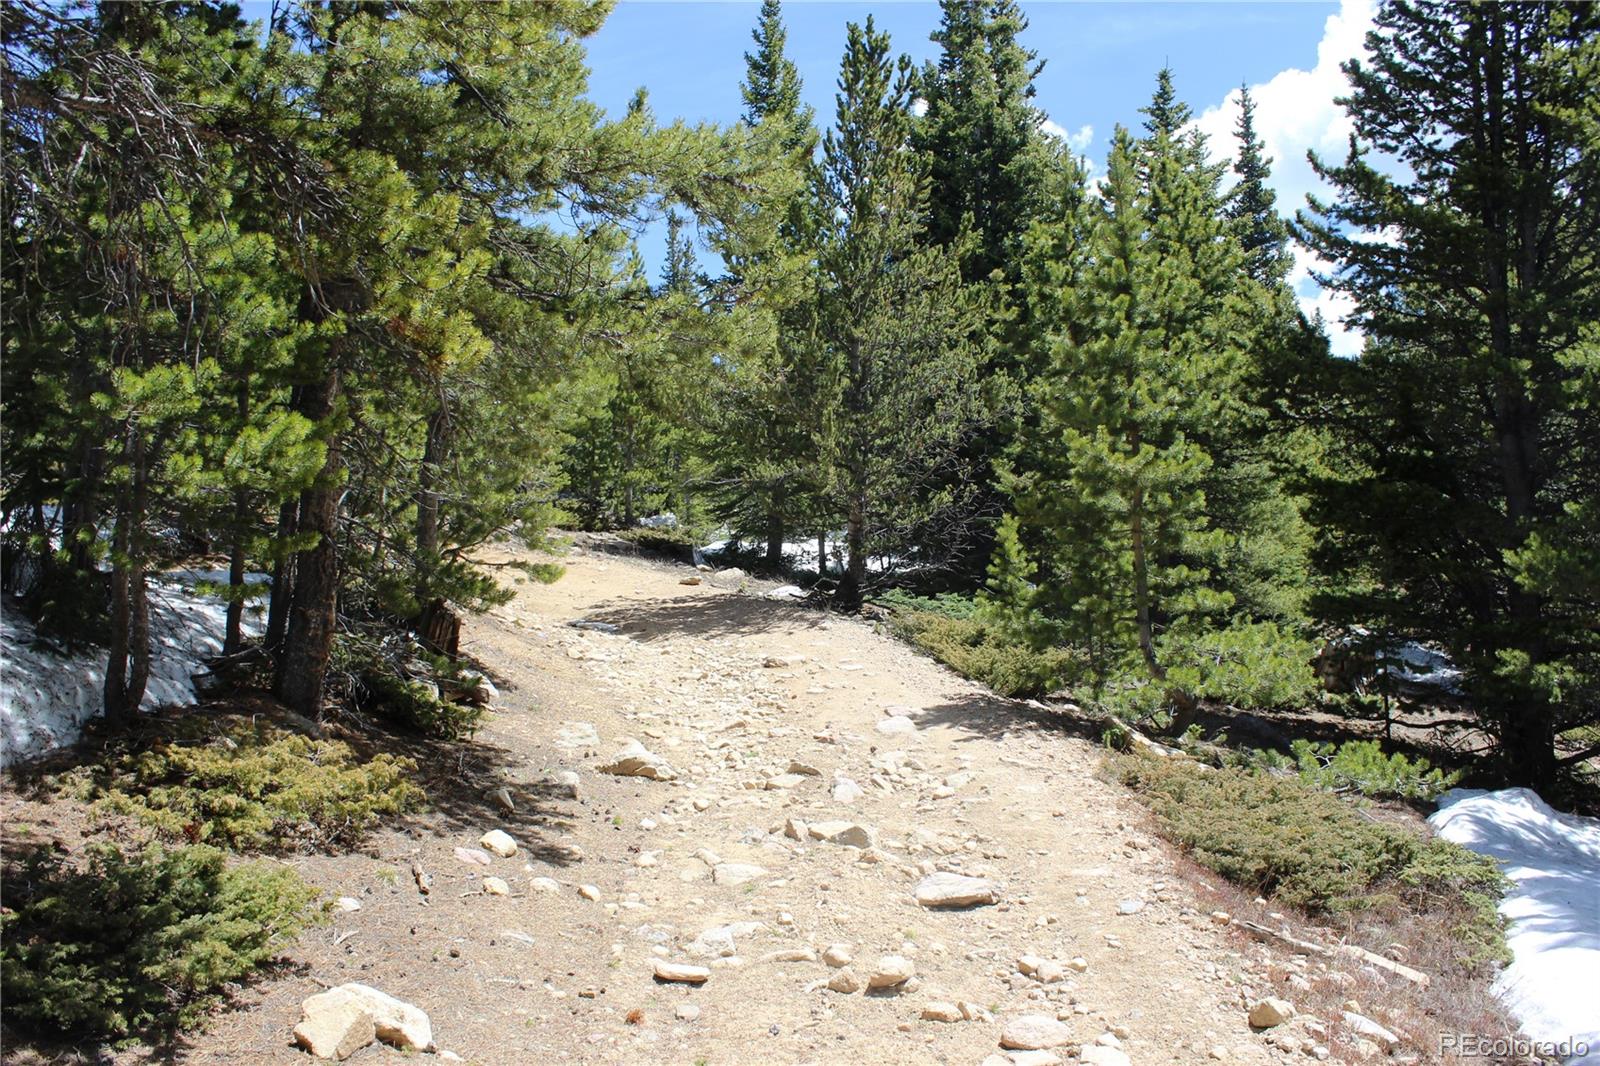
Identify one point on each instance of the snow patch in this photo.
(1552, 986)
(46, 696)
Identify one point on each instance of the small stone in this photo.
(845, 834)
(1270, 1012)
(494, 886)
(545, 884)
(681, 972)
(1035, 1058)
(1034, 1032)
(795, 829)
(736, 873)
(804, 769)
(348, 904)
(838, 955)
(940, 1011)
(845, 981)
(499, 842)
(783, 781)
(1219, 1053)
(955, 890)
(635, 760)
(1130, 906)
(1078, 964)
(1221, 917)
(591, 892)
(1099, 1055)
(846, 790)
(892, 971)
(503, 800)
(897, 724)
(473, 857)
(687, 1012)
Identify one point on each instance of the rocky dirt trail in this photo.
(810, 776)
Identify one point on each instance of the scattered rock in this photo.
(681, 972)
(892, 972)
(782, 781)
(334, 1027)
(687, 1012)
(591, 892)
(838, 955)
(778, 662)
(795, 829)
(497, 841)
(474, 856)
(1034, 1058)
(494, 886)
(736, 873)
(1034, 1032)
(787, 592)
(790, 955)
(393, 1021)
(694, 580)
(545, 884)
(845, 834)
(1130, 906)
(1100, 1055)
(955, 890)
(636, 760)
(896, 725)
(502, 799)
(594, 627)
(564, 785)
(1369, 1028)
(348, 904)
(845, 981)
(1270, 1012)
(940, 1011)
(846, 790)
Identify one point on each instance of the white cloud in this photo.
(1295, 112)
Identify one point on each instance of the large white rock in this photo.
(1367, 1027)
(896, 724)
(1034, 1032)
(955, 890)
(636, 760)
(334, 1027)
(394, 1021)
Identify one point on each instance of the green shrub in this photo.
(418, 706)
(975, 649)
(247, 785)
(1279, 836)
(1361, 766)
(131, 943)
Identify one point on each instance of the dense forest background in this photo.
(347, 297)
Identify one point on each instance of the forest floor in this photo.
(767, 711)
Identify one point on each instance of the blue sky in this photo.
(1100, 65)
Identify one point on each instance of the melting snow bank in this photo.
(1552, 986)
(46, 696)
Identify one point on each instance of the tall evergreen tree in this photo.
(1253, 205)
(1476, 279)
(893, 320)
(1129, 503)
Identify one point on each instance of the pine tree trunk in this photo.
(775, 529)
(233, 631)
(128, 657)
(282, 580)
(433, 452)
(1141, 585)
(822, 554)
(308, 639)
(853, 587)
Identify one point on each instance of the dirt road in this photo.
(765, 711)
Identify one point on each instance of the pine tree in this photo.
(771, 89)
(1253, 205)
(893, 319)
(1474, 436)
(1131, 498)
